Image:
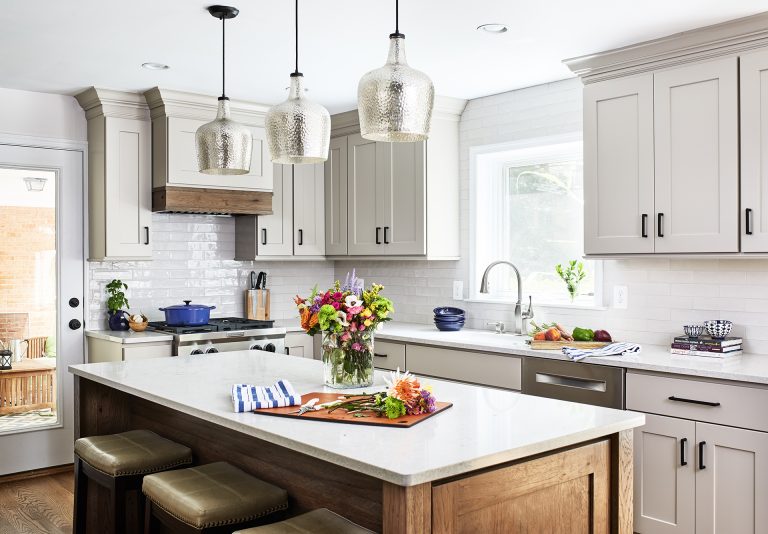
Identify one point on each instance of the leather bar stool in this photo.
(321, 521)
(119, 462)
(212, 498)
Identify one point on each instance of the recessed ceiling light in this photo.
(493, 28)
(155, 66)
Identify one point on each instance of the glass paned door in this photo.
(41, 271)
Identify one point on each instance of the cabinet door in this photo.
(336, 190)
(182, 160)
(128, 191)
(753, 72)
(696, 156)
(274, 233)
(308, 210)
(365, 160)
(618, 166)
(400, 188)
(665, 492)
(731, 480)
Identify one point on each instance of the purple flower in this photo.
(352, 284)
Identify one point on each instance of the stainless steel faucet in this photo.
(520, 318)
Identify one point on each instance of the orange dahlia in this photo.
(403, 386)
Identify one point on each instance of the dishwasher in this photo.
(587, 383)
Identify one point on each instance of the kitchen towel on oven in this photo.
(246, 398)
(614, 349)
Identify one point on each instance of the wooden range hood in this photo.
(211, 201)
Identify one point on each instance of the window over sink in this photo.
(526, 207)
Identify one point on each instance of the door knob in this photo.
(74, 302)
(74, 324)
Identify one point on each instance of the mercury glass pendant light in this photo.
(223, 146)
(298, 130)
(395, 101)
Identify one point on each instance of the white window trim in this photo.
(474, 282)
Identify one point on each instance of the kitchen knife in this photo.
(254, 284)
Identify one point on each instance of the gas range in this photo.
(224, 334)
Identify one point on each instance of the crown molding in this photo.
(170, 103)
(727, 38)
(97, 102)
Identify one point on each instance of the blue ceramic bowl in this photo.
(447, 310)
(449, 327)
(449, 319)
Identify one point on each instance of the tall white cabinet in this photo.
(119, 175)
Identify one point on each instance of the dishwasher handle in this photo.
(572, 382)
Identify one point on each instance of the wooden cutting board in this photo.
(341, 416)
(557, 345)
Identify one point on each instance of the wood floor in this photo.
(37, 505)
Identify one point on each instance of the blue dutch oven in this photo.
(187, 314)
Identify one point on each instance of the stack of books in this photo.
(707, 346)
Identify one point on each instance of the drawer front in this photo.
(598, 385)
(724, 404)
(146, 351)
(465, 366)
(389, 355)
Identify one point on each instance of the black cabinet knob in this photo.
(74, 324)
(74, 302)
(270, 347)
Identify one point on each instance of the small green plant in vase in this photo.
(572, 274)
(116, 302)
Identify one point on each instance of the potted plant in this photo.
(572, 275)
(347, 315)
(116, 301)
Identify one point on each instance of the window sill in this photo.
(548, 305)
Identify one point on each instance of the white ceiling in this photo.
(63, 46)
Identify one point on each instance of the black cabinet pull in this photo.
(263, 236)
(386, 239)
(379, 355)
(701, 455)
(301, 237)
(694, 401)
(683, 459)
(660, 224)
(146, 240)
(288, 350)
(378, 239)
(74, 302)
(74, 324)
(644, 225)
(748, 221)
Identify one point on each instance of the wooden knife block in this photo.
(257, 304)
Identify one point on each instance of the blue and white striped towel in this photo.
(614, 349)
(246, 398)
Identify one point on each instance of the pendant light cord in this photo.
(397, 17)
(296, 70)
(223, 56)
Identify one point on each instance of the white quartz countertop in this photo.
(485, 426)
(745, 368)
(129, 336)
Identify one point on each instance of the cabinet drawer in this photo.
(145, 351)
(740, 406)
(389, 355)
(476, 367)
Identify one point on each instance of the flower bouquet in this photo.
(347, 315)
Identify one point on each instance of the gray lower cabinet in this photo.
(465, 366)
(390, 356)
(693, 475)
(299, 344)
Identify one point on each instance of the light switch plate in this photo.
(620, 297)
(458, 290)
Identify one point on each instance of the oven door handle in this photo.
(235, 333)
(572, 382)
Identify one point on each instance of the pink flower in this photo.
(357, 347)
(361, 327)
(337, 295)
(355, 310)
(353, 327)
(336, 305)
(346, 336)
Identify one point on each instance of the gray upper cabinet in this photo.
(308, 210)
(618, 166)
(697, 157)
(366, 167)
(274, 232)
(336, 193)
(753, 73)
(119, 179)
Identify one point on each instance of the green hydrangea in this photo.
(326, 317)
(394, 408)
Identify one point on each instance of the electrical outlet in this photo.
(620, 297)
(458, 290)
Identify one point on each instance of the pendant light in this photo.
(395, 101)
(298, 130)
(223, 145)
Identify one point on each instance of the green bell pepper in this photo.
(583, 334)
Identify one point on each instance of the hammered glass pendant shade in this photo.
(395, 101)
(298, 130)
(223, 145)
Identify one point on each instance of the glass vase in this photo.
(348, 362)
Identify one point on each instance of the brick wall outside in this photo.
(27, 272)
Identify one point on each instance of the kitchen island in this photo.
(497, 461)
